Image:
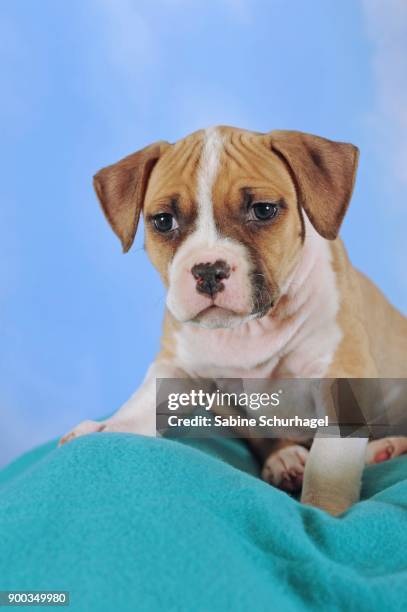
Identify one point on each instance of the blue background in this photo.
(84, 83)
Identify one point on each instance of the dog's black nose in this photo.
(209, 276)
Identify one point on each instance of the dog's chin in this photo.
(215, 317)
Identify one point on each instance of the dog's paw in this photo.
(83, 429)
(110, 425)
(387, 448)
(285, 468)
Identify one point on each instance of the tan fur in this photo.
(374, 340)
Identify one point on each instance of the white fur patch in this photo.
(207, 173)
(205, 244)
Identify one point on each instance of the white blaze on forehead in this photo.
(207, 173)
(206, 244)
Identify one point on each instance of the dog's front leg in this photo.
(333, 473)
(138, 414)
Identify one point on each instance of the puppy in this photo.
(243, 229)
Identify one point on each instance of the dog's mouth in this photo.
(217, 317)
(237, 303)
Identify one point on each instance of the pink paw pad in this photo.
(385, 449)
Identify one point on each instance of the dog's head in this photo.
(224, 214)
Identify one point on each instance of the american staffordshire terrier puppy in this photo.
(243, 229)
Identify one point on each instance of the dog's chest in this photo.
(252, 350)
(301, 346)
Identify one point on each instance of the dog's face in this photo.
(224, 214)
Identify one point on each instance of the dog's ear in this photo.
(121, 188)
(324, 174)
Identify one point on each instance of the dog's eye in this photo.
(263, 211)
(164, 222)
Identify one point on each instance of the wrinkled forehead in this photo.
(219, 163)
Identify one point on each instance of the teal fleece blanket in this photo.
(124, 522)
